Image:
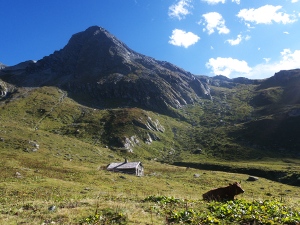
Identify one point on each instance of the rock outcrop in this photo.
(2, 66)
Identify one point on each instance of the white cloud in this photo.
(180, 10)
(235, 41)
(266, 15)
(235, 68)
(249, 26)
(294, 1)
(247, 38)
(214, 21)
(182, 38)
(213, 2)
(227, 66)
(236, 1)
(289, 60)
(286, 32)
(238, 39)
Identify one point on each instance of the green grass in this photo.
(78, 188)
(76, 143)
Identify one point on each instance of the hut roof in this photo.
(123, 165)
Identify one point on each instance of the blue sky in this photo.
(248, 38)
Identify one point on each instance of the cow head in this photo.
(237, 188)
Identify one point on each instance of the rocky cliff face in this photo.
(95, 65)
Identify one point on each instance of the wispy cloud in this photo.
(183, 38)
(266, 15)
(214, 21)
(213, 2)
(238, 39)
(180, 9)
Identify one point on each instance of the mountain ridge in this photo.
(97, 64)
(98, 71)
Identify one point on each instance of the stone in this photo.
(18, 175)
(252, 178)
(52, 208)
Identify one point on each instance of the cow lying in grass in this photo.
(223, 193)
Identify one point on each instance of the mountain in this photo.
(65, 117)
(114, 92)
(95, 66)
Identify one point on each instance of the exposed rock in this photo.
(148, 140)
(153, 136)
(18, 175)
(3, 89)
(200, 88)
(153, 125)
(129, 143)
(252, 178)
(52, 208)
(2, 66)
(6, 89)
(33, 146)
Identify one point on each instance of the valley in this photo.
(64, 118)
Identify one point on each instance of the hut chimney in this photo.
(126, 160)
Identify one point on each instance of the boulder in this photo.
(252, 178)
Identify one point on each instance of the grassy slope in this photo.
(66, 170)
(77, 187)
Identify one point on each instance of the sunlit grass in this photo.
(68, 168)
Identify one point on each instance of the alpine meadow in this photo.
(67, 116)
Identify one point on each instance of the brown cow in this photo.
(223, 193)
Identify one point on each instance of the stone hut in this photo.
(133, 168)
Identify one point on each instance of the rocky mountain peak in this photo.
(97, 65)
(88, 54)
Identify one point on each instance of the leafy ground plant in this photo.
(105, 217)
(231, 212)
(255, 212)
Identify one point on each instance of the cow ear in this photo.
(230, 184)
